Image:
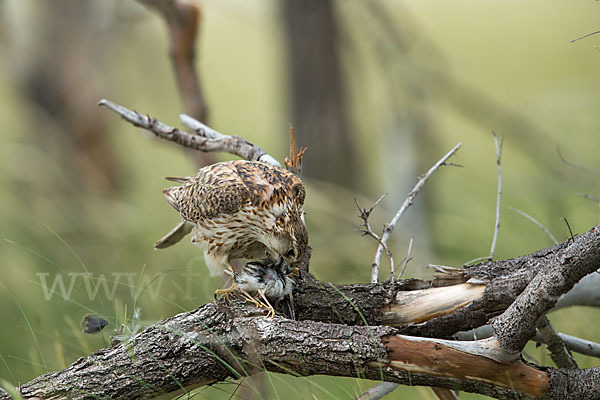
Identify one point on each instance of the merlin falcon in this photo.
(240, 210)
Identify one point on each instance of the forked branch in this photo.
(204, 138)
(389, 227)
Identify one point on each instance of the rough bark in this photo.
(216, 342)
(566, 267)
(503, 280)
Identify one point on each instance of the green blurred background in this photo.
(402, 84)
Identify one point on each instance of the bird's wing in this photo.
(175, 235)
(270, 186)
(216, 189)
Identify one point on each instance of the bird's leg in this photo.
(232, 288)
(226, 292)
(252, 299)
(259, 303)
(268, 305)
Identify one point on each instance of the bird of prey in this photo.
(268, 279)
(240, 210)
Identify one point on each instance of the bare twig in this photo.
(578, 345)
(589, 197)
(558, 350)
(387, 230)
(585, 293)
(477, 260)
(204, 139)
(407, 259)
(572, 164)
(378, 391)
(584, 36)
(568, 227)
(444, 394)
(535, 222)
(499, 194)
(573, 343)
(384, 388)
(294, 161)
(366, 230)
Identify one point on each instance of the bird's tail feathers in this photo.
(178, 179)
(175, 235)
(171, 194)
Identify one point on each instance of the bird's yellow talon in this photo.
(226, 292)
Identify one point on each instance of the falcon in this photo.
(240, 210)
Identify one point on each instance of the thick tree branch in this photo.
(350, 330)
(215, 342)
(516, 326)
(447, 304)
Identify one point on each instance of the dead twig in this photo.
(584, 36)
(183, 20)
(294, 161)
(378, 391)
(572, 164)
(366, 230)
(407, 259)
(589, 197)
(388, 228)
(535, 222)
(204, 139)
(499, 193)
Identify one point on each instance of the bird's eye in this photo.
(290, 253)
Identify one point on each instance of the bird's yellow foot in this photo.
(264, 303)
(248, 297)
(267, 305)
(226, 292)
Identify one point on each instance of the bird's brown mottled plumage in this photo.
(240, 209)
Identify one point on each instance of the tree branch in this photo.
(558, 350)
(350, 330)
(183, 19)
(387, 230)
(214, 343)
(204, 139)
(338, 334)
(517, 324)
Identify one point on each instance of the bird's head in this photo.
(288, 240)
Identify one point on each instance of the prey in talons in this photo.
(261, 282)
